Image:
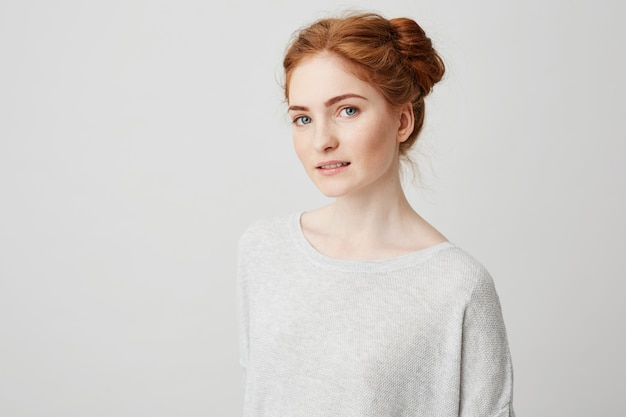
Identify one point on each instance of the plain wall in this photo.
(139, 138)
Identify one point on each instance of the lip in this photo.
(332, 167)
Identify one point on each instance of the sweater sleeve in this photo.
(486, 369)
(247, 252)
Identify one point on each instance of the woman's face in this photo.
(345, 134)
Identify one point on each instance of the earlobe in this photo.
(407, 122)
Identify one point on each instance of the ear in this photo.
(407, 122)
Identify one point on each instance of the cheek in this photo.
(374, 143)
(381, 148)
(299, 148)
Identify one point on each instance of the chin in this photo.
(338, 187)
(331, 195)
(327, 191)
(333, 192)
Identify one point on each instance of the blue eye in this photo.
(349, 111)
(302, 120)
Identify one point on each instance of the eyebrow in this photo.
(329, 102)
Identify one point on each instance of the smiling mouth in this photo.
(335, 165)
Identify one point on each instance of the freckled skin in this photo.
(364, 131)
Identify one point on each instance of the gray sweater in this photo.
(419, 335)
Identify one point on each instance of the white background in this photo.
(139, 138)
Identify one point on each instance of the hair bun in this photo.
(394, 55)
(418, 50)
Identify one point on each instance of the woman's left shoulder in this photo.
(462, 269)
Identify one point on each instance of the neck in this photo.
(371, 223)
(370, 214)
(354, 216)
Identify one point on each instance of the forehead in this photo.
(323, 76)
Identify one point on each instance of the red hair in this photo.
(393, 55)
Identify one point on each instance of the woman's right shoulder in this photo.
(261, 229)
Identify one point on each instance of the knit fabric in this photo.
(419, 335)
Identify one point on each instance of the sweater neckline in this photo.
(369, 265)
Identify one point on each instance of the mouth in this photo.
(332, 165)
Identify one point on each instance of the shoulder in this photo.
(457, 261)
(463, 272)
(262, 230)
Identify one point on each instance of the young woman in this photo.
(362, 308)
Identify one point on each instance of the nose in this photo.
(324, 138)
